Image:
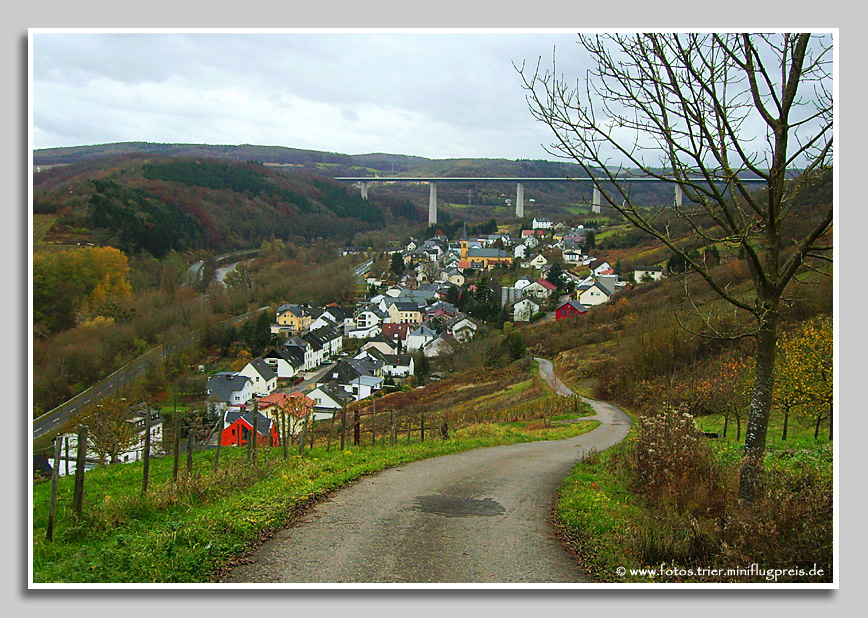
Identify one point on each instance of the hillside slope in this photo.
(157, 204)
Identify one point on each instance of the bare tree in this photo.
(112, 429)
(712, 109)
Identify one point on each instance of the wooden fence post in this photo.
(255, 430)
(357, 428)
(423, 427)
(343, 425)
(80, 460)
(146, 453)
(220, 424)
(392, 436)
(190, 445)
(302, 438)
(312, 432)
(176, 446)
(55, 474)
(66, 453)
(409, 419)
(331, 431)
(285, 423)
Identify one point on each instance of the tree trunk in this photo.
(725, 423)
(786, 422)
(760, 407)
(738, 427)
(817, 425)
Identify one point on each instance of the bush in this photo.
(675, 466)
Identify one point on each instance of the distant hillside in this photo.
(488, 199)
(159, 203)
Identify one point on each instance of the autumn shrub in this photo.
(674, 465)
(790, 526)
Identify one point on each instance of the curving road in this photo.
(476, 516)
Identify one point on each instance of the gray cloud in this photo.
(428, 94)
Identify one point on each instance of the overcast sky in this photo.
(430, 94)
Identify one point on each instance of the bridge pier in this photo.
(519, 200)
(432, 203)
(364, 186)
(596, 201)
(679, 195)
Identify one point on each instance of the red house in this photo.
(238, 427)
(569, 309)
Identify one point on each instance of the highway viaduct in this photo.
(432, 181)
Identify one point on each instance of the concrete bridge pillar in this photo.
(519, 200)
(596, 201)
(432, 203)
(364, 190)
(679, 195)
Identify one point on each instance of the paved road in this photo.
(476, 516)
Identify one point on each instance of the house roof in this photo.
(396, 331)
(272, 399)
(262, 368)
(399, 360)
(489, 253)
(423, 331)
(547, 284)
(296, 310)
(333, 390)
(575, 305)
(263, 422)
(221, 385)
(406, 306)
(283, 354)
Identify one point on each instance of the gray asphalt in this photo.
(476, 516)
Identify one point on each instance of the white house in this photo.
(398, 365)
(229, 389)
(523, 283)
(363, 386)
(524, 310)
(418, 338)
(541, 223)
(282, 363)
(464, 330)
(572, 257)
(329, 397)
(593, 294)
(520, 251)
(643, 273)
(264, 378)
(539, 261)
(381, 343)
(444, 344)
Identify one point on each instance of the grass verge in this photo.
(192, 530)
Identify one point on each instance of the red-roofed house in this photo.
(397, 332)
(541, 288)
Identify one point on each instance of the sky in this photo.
(436, 95)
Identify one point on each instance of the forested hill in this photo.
(552, 199)
(157, 204)
(333, 163)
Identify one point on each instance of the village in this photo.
(328, 357)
